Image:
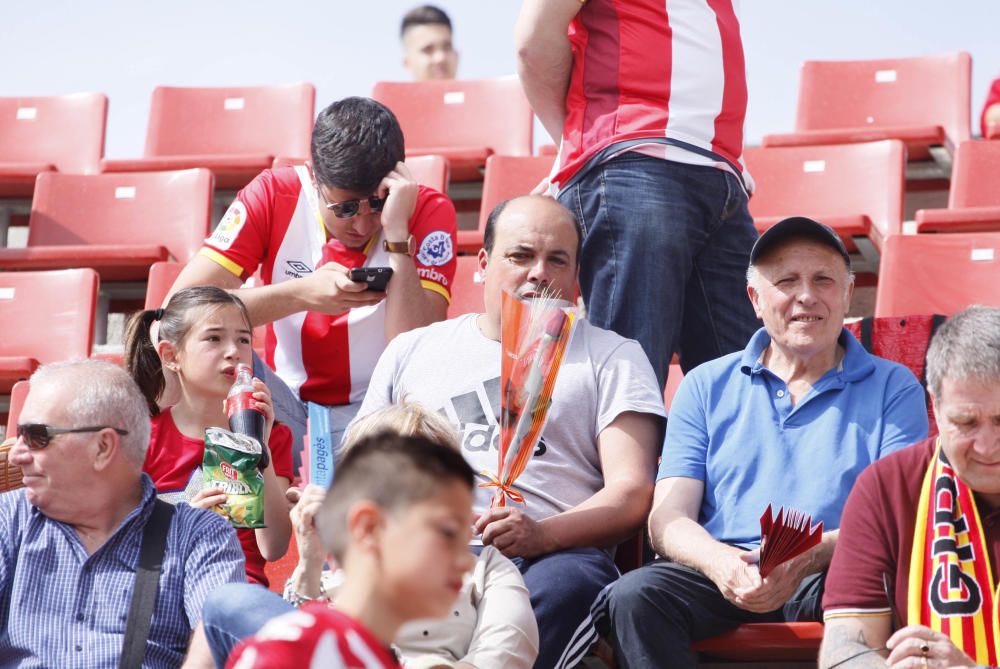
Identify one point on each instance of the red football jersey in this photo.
(649, 69)
(274, 225)
(172, 458)
(314, 636)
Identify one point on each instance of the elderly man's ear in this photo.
(754, 298)
(106, 446)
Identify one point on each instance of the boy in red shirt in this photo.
(398, 520)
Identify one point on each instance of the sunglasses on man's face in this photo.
(350, 208)
(38, 435)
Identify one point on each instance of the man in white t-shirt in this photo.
(588, 485)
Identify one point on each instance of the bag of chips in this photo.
(230, 465)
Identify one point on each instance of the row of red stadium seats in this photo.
(857, 189)
(920, 274)
(237, 132)
(923, 101)
(90, 220)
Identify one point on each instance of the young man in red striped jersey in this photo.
(302, 229)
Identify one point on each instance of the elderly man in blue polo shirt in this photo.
(790, 421)
(73, 539)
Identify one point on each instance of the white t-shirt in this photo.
(452, 368)
(491, 623)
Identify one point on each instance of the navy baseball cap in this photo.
(798, 226)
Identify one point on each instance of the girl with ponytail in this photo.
(203, 333)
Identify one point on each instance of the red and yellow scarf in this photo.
(951, 587)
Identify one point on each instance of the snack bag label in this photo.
(230, 465)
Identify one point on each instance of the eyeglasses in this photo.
(351, 208)
(38, 435)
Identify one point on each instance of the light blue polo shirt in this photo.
(732, 425)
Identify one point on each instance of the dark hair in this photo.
(355, 143)
(489, 234)
(141, 358)
(422, 16)
(391, 471)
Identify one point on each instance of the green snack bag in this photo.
(230, 465)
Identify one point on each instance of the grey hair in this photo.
(104, 394)
(966, 346)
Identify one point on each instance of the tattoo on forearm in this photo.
(845, 646)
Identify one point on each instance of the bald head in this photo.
(531, 207)
(531, 248)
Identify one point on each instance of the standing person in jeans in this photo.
(648, 100)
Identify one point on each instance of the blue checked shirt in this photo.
(61, 608)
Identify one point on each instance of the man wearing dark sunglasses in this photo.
(70, 538)
(301, 229)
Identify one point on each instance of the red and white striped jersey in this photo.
(274, 224)
(655, 69)
(315, 636)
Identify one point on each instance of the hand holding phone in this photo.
(376, 278)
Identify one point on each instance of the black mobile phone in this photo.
(377, 278)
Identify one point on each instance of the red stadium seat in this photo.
(464, 121)
(923, 101)
(162, 276)
(279, 571)
(974, 197)
(287, 161)
(17, 396)
(118, 224)
(857, 189)
(938, 274)
(774, 642)
(505, 177)
(47, 134)
(674, 378)
(47, 316)
(629, 553)
(235, 132)
(430, 171)
(467, 288)
(10, 475)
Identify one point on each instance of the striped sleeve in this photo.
(208, 563)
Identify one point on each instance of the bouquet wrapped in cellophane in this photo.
(534, 334)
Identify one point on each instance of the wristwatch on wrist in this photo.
(408, 247)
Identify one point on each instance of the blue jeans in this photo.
(235, 611)
(665, 256)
